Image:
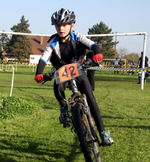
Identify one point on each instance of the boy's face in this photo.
(63, 29)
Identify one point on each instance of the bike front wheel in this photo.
(87, 141)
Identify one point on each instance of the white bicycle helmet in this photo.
(63, 16)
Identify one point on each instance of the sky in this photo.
(122, 16)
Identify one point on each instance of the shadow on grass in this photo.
(13, 148)
(132, 118)
(121, 117)
(132, 127)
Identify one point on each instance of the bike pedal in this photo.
(104, 144)
(73, 130)
(60, 120)
(65, 125)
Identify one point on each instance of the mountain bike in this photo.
(81, 116)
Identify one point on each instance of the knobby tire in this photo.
(82, 128)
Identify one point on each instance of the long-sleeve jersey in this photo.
(57, 52)
(140, 61)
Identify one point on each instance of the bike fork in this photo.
(87, 111)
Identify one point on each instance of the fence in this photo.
(98, 35)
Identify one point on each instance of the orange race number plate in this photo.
(67, 72)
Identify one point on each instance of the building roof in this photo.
(38, 44)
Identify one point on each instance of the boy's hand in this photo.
(39, 78)
(97, 58)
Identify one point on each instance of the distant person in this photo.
(132, 63)
(141, 59)
(116, 61)
(120, 63)
(140, 66)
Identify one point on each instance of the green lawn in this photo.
(30, 130)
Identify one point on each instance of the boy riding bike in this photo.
(64, 47)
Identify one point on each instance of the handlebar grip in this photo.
(89, 63)
(48, 76)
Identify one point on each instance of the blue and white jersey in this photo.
(57, 52)
(53, 45)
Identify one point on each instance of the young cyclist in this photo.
(64, 46)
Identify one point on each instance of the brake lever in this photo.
(89, 63)
(48, 77)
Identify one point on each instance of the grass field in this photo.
(30, 130)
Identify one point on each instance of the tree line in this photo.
(19, 47)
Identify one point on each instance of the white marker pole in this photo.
(12, 82)
(143, 62)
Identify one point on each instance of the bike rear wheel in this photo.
(87, 141)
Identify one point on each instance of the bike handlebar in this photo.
(88, 63)
(84, 65)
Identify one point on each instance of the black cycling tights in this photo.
(85, 88)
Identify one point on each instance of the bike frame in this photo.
(78, 102)
(86, 109)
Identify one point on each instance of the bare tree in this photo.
(122, 52)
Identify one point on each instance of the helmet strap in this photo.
(63, 38)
